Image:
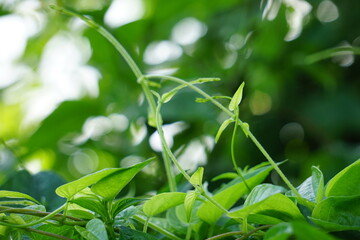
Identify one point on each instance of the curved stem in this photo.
(135, 69)
(246, 235)
(233, 149)
(107, 35)
(241, 124)
(175, 161)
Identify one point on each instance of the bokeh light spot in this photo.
(260, 103)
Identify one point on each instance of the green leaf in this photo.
(280, 231)
(189, 203)
(107, 182)
(261, 192)
(346, 182)
(246, 128)
(230, 193)
(12, 194)
(312, 188)
(277, 206)
(338, 213)
(109, 186)
(299, 230)
(161, 202)
(236, 99)
(97, 227)
(131, 234)
(318, 183)
(222, 128)
(68, 190)
(196, 178)
(305, 231)
(80, 213)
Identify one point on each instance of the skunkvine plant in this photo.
(268, 211)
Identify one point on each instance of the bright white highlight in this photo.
(170, 131)
(122, 12)
(327, 11)
(163, 51)
(188, 31)
(295, 17)
(63, 74)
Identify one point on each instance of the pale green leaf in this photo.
(196, 178)
(12, 194)
(162, 202)
(70, 189)
(318, 183)
(236, 99)
(189, 202)
(97, 228)
(246, 128)
(102, 178)
(222, 128)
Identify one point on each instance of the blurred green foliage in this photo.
(306, 113)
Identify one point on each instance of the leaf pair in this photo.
(106, 183)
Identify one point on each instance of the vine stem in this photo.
(245, 130)
(233, 149)
(157, 228)
(50, 215)
(245, 235)
(176, 163)
(141, 79)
